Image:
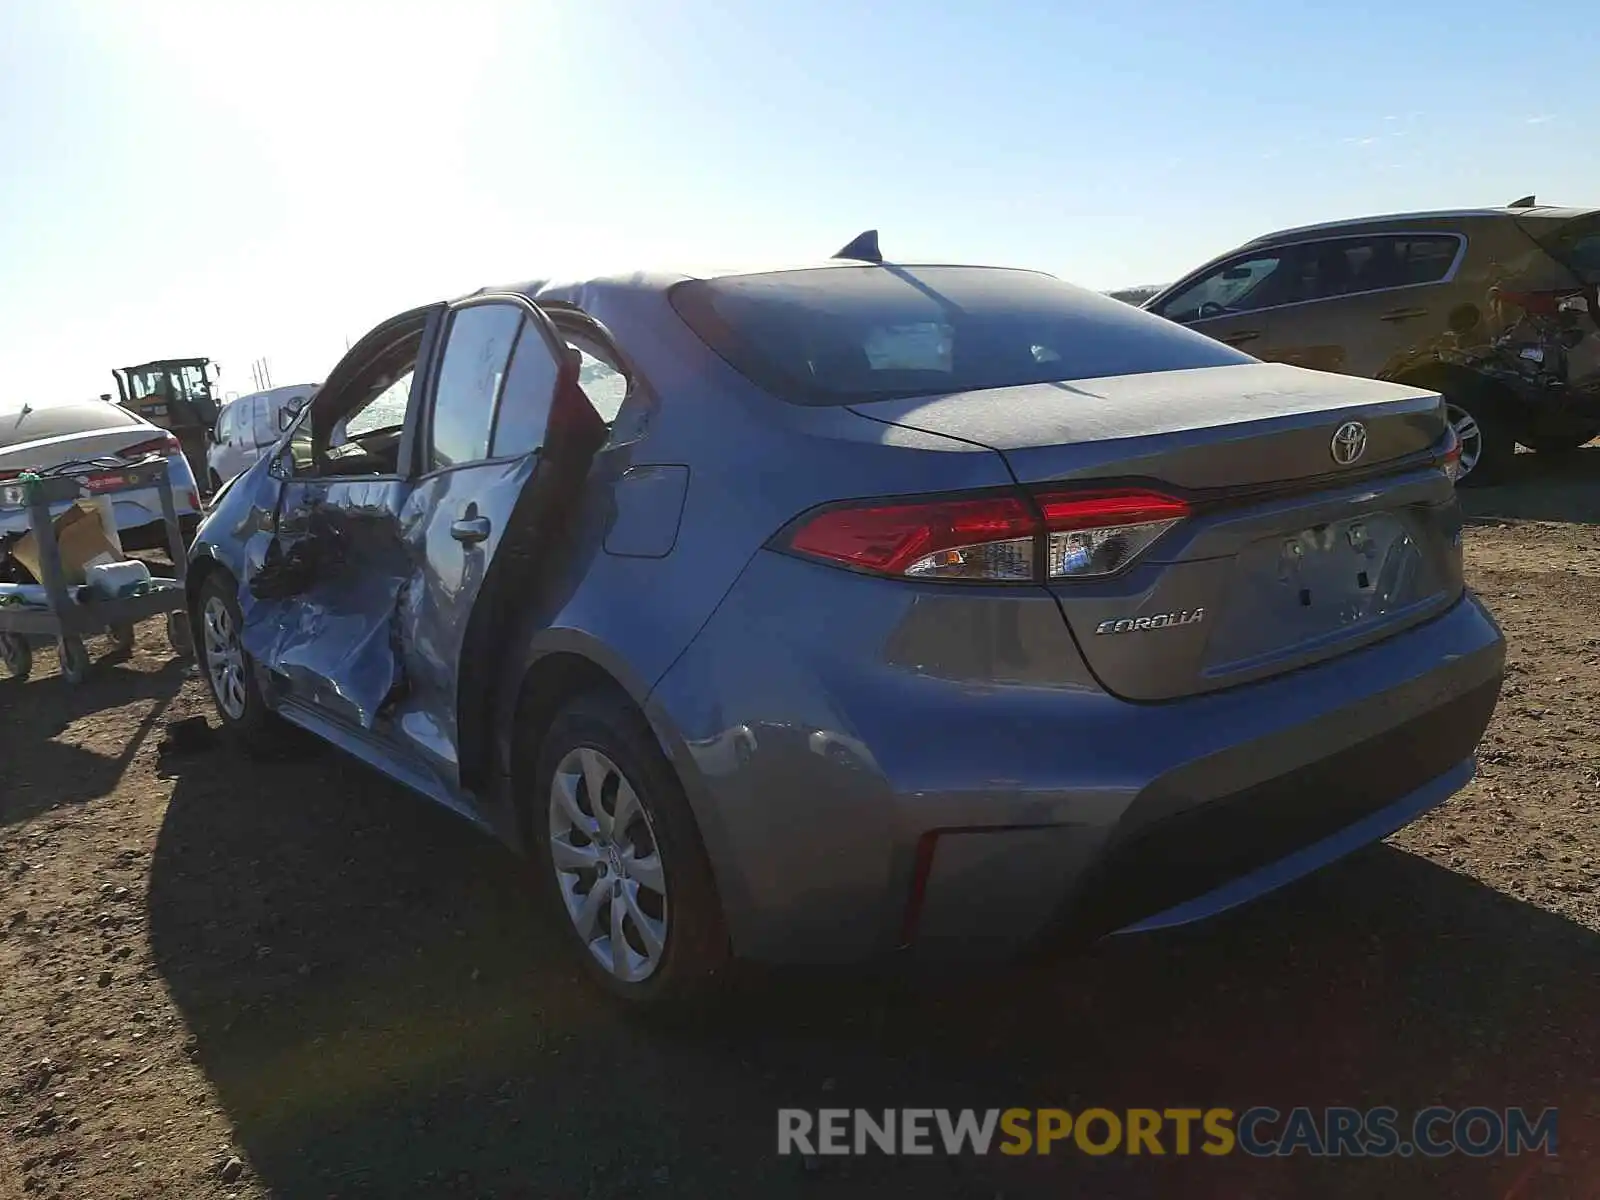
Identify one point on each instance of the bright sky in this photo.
(240, 181)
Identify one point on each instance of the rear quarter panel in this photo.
(746, 463)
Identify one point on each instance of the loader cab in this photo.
(178, 394)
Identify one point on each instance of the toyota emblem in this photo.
(1349, 442)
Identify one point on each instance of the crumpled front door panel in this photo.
(321, 611)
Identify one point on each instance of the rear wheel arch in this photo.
(1492, 406)
(548, 684)
(552, 681)
(1450, 379)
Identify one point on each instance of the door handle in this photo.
(1238, 339)
(470, 529)
(1403, 314)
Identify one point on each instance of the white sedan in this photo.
(42, 434)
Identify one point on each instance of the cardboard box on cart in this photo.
(86, 534)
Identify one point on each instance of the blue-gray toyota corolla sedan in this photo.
(818, 613)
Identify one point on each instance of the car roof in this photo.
(661, 280)
(1389, 220)
(62, 418)
(286, 391)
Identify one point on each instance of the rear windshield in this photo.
(1576, 244)
(31, 423)
(846, 334)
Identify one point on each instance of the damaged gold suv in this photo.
(1494, 308)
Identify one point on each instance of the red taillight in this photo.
(1100, 533)
(165, 444)
(922, 539)
(1005, 538)
(1450, 455)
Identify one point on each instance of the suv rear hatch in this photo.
(1571, 236)
(1309, 514)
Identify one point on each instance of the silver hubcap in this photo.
(224, 658)
(1468, 434)
(607, 866)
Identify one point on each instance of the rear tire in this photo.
(612, 830)
(1488, 445)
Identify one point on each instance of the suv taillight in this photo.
(992, 539)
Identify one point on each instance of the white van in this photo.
(249, 425)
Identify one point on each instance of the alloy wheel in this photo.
(1468, 435)
(608, 867)
(224, 658)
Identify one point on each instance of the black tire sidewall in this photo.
(697, 942)
(1497, 442)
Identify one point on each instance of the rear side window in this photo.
(474, 363)
(850, 334)
(1576, 245)
(1350, 266)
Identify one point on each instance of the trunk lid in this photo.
(1289, 556)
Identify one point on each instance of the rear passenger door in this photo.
(1365, 303)
(483, 452)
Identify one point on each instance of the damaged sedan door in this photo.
(506, 438)
(325, 561)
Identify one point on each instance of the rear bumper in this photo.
(850, 807)
(133, 509)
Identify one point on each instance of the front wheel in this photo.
(229, 670)
(620, 859)
(1487, 444)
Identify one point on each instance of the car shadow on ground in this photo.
(384, 1010)
(37, 710)
(1542, 487)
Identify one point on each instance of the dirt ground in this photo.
(291, 979)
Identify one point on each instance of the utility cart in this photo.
(68, 612)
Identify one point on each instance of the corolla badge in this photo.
(1349, 442)
(1166, 620)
